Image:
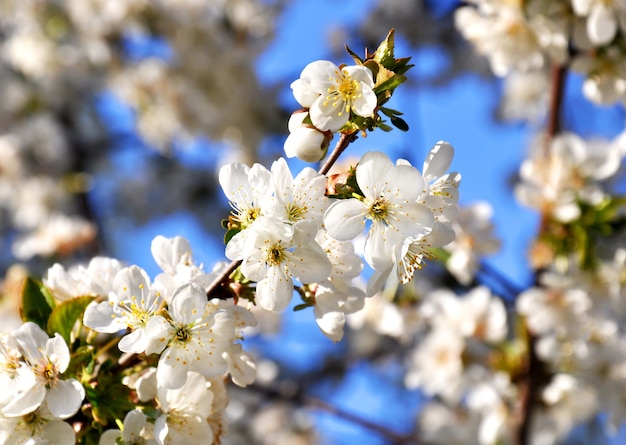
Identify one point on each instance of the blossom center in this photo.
(379, 209)
(274, 255)
(343, 93)
(49, 373)
(348, 89)
(182, 334)
(33, 422)
(295, 212)
(136, 316)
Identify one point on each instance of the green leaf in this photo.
(230, 233)
(390, 112)
(356, 58)
(389, 83)
(301, 306)
(37, 302)
(64, 316)
(81, 362)
(384, 52)
(399, 123)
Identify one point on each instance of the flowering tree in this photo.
(104, 353)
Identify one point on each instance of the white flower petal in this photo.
(601, 24)
(65, 398)
(188, 303)
(275, 291)
(329, 115)
(345, 219)
(438, 160)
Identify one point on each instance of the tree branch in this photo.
(303, 400)
(535, 376)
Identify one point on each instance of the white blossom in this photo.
(332, 93)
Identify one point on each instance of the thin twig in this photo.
(302, 400)
(553, 126)
(342, 144)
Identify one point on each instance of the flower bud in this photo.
(307, 144)
(305, 141)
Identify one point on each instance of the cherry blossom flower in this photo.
(39, 427)
(95, 279)
(300, 198)
(436, 365)
(136, 431)
(278, 254)
(331, 93)
(131, 305)
(390, 202)
(192, 338)
(185, 412)
(175, 258)
(48, 358)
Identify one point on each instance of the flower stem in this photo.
(342, 144)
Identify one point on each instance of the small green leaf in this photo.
(390, 112)
(399, 123)
(384, 127)
(64, 316)
(81, 361)
(389, 83)
(230, 233)
(356, 58)
(384, 52)
(37, 302)
(110, 399)
(301, 306)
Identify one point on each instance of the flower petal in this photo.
(275, 291)
(345, 219)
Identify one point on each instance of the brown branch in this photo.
(553, 126)
(535, 376)
(342, 144)
(298, 398)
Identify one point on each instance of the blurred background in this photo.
(116, 115)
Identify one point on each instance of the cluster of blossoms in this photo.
(287, 229)
(104, 344)
(188, 344)
(527, 37)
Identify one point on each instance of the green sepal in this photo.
(230, 233)
(356, 58)
(390, 112)
(64, 316)
(37, 302)
(301, 306)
